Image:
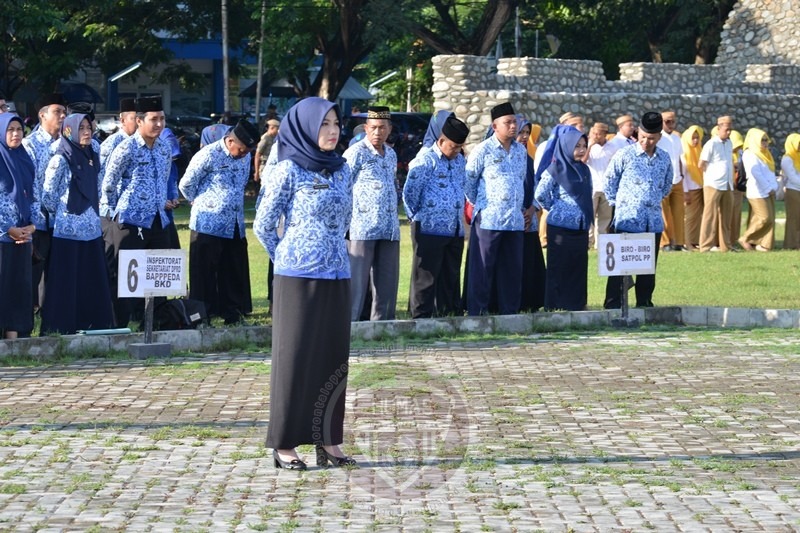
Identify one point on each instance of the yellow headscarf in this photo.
(792, 147)
(533, 138)
(738, 142)
(752, 143)
(692, 153)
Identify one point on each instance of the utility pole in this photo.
(260, 80)
(226, 97)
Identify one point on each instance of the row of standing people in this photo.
(86, 202)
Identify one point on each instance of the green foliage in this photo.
(619, 31)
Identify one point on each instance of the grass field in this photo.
(753, 279)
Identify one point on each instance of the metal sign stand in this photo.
(149, 349)
(625, 321)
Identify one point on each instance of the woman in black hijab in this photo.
(78, 295)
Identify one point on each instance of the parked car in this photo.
(408, 130)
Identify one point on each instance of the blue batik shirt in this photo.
(635, 185)
(496, 184)
(40, 147)
(434, 193)
(214, 182)
(562, 209)
(77, 227)
(374, 192)
(107, 146)
(317, 207)
(136, 180)
(10, 217)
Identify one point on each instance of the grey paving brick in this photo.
(614, 431)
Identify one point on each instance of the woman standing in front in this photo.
(761, 187)
(311, 187)
(78, 294)
(18, 209)
(565, 190)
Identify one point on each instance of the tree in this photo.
(453, 27)
(618, 31)
(47, 41)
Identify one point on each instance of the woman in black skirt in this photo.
(310, 187)
(78, 294)
(565, 190)
(17, 209)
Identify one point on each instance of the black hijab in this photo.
(17, 171)
(299, 136)
(83, 163)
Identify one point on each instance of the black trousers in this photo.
(217, 276)
(644, 286)
(534, 273)
(435, 274)
(130, 237)
(495, 258)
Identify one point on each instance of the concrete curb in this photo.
(222, 339)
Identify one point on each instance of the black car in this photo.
(408, 130)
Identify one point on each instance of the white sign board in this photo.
(626, 254)
(144, 273)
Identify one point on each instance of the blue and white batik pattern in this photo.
(40, 147)
(77, 227)
(562, 209)
(434, 193)
(214, 182)
(635, 185)
(374, 193)
(317, 209)
(136, 181)
(106, 148)
(496, 184)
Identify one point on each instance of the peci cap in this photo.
(274, 122)
(381, 112)
(247, 133)
(501, 110)
(623, 119)
(600, 126)
(50, 99)
(455, 130)
(651, 122)
(127, 105)
(147, 104)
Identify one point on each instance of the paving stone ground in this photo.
(661, 430)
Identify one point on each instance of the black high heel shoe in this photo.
(294, 464)
(323, 458)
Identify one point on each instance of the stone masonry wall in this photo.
(762, 96)
(761, 32)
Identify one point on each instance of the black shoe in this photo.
(323, 457)
(294, 464)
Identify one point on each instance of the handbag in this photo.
(179, 313)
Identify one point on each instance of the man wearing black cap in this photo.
(434, 199)
(136, 185)
(495, 185)
(214, 182)
(40, 146)
(637, 180)
(374, 244)
(127, 127)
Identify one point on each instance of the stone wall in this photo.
(761, 32)
(763, 96)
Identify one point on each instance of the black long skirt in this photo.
(78, 296)
(16, 288)
(567, 269)
(310, 349)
